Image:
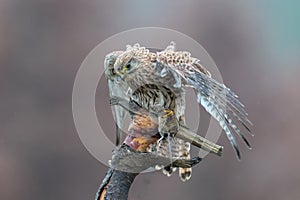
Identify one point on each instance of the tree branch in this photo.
(126, 164)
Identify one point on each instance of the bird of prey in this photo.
(156, 82)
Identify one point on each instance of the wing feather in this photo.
(218, 100)
(117, 87)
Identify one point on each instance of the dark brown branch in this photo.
(126, 164)
(115, 185)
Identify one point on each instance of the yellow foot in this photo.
(168, 113)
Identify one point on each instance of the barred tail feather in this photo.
(184, 152)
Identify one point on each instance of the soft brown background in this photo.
(43, 42)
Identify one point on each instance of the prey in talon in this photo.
(183, 133)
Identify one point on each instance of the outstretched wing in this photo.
(116, 87)
(218, 100)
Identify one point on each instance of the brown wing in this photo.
(216, 98)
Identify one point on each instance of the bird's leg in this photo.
(168, 126)
(130, 106)
(115, 100)
(167, 122)
(169, 145)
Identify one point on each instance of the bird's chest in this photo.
(153, 98)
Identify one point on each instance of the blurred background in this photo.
(255, 44)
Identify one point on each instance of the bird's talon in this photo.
(168, 113)
(114, 101)
(160, 139)
(195, 161)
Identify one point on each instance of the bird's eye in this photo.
(128, 66)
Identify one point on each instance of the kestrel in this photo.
(156, 83)
(160, 100)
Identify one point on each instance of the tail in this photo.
(184, 152)
(174, 148)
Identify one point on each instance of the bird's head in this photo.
(126, 63)
(130, 60)
(109, 62)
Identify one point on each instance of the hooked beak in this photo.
(121, 72)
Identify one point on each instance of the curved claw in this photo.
(168, 113)
(168, 123)
(114, 101)
(183, 163)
